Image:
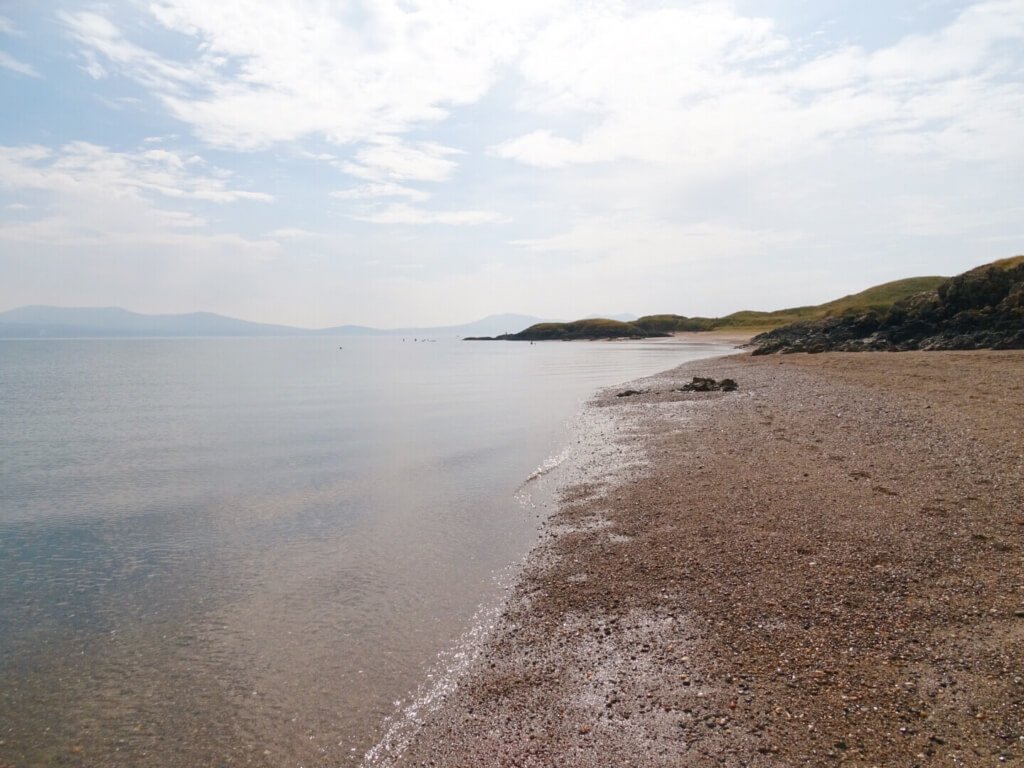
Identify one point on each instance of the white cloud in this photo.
(380, 189)
(607, 58)
(177, 219)
(698, 88)
(14, 65)
(135, 225)
(644, 140)
(81, 166)
(8, 27)
(97, 199)
(704, 90)
(406, 214)
(164, 157)
(386, 161)
(291, 232)
(387, 157)
(317, 155)
(102, 39)
(631, 239)
(542, 149)
(269, 72)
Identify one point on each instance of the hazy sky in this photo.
(400, 162)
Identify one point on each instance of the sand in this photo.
(737, 337)
(825, 567)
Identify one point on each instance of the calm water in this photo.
(244, 552)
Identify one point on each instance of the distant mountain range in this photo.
(113, 322)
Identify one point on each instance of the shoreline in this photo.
(767, 577)
(736, 337)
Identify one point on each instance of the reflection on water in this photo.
(245, 551)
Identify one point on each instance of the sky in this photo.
(430, 162)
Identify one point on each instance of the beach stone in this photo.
(714, 609)
(704, 384)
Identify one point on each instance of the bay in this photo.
(248, 551)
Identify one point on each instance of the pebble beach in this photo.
(823, 567)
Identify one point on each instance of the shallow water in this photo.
(246, 551)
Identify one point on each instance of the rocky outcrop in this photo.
(702, 384)
(591, 329)
(980, 309)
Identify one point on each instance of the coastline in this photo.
(824, 567)
(738, 338)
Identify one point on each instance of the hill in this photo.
(591, 328)
(979, 309)
(877, 298)
(107, 322)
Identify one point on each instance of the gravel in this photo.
(825, 567)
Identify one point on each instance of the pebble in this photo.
(731, 557)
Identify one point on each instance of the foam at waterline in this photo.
(537, 492)
(590, 432)
(590, 456)
(441, 681)
(549, 464)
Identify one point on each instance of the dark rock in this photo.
(980, 309)
(629, 393)
(701, 384)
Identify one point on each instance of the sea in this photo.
(254, 551)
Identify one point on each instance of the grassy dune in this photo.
(877, 299)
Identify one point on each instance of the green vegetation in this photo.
(879, 300)
(664, 324)
(591, 328)
(982, 308)
(1008, 264)
(881, 296)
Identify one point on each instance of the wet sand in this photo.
(825, 567)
